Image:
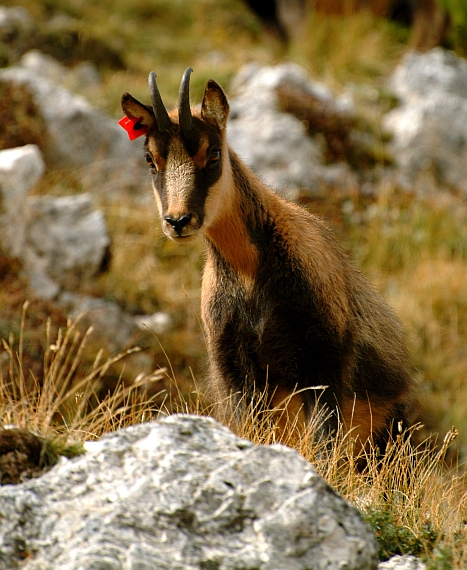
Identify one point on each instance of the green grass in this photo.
(359, 48)
(457, 10)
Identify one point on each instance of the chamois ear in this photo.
(215, 108)
(133, 109)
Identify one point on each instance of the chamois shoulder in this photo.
(304, 234)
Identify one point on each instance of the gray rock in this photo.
(159, 322)
(339, 175)
(14, 21)
(43, 65)
(61, 241)
(65, 242)
(274, 144)
(20, 170)
(16, 27)
(181, 494)
(436, 70)
(107, 326)
(81, 137)
(112, 327)
(406, 562)
(430, 127)
(83, 74)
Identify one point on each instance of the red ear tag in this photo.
(133, 127)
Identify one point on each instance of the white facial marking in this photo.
(179, 179)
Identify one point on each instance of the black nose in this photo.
(180, 223)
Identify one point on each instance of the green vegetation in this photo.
(162, 35)
(457, 10)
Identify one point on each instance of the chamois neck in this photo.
(230, 233)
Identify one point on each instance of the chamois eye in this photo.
(214, 156)
(150, 161)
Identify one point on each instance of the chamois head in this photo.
(185, 151)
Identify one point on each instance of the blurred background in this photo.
(356, 109)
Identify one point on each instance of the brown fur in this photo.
(365, 419)
(290, 418)
(237, 249)
(284, 311)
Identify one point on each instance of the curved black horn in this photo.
(184, 111)
(162, 118)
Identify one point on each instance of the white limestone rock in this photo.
(181, 494)
(79, 136)
(406, 562)
(112, 327)
(274, 144)
(430, 127)
(20, 169)
(65, 242)
(158, 322)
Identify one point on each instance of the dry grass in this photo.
(414, 248)
(413, 502)
(66, 404)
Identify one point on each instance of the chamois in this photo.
(283, 308)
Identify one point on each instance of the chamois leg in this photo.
(321, 406)
(373, 426)
(227, 406)
(289, 416)
(396, 428)
(298, 412)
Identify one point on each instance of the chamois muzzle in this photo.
(180, 223)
